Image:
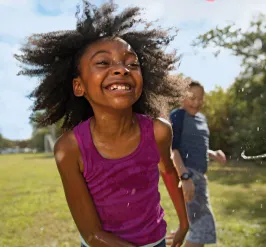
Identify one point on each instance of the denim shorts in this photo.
(202, 228)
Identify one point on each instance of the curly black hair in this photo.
(54, 58)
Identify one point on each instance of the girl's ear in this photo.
(78, 88)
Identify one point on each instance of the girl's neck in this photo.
(113, 124)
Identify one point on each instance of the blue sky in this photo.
(21, 18)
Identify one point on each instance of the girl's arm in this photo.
(163, 136)
(67, 156)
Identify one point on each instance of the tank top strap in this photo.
(146, 124)
(82, 134)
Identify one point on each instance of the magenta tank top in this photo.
(125, 191)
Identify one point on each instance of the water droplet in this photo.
(128, 204)
(261, 205)
(194, 215)
(258, 128)
(233, 210)
(133, 191)
(42, 228)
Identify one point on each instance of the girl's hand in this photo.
(176, 239)
(220, 156)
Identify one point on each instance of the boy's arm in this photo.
(177, 119)
(188, 185)
(217, 155)
(211, 154)
(178, 162)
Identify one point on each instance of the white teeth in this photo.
(113, 87)
(120, 87)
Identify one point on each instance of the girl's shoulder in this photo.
(159, 124)
(66, 141)
(66, 148)
(162, 129)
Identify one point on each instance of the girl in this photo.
(101, 78)
(190, 153)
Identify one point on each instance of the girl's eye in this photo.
(102, 63)
(133, 65)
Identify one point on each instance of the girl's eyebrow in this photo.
(131, 53)
(99, 52)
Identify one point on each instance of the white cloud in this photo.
(217, 12)
(23, 23)
(14, 112)
(50, 5)
(15, 3)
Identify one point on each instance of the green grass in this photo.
(33, 210)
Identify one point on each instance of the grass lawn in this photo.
(33, 210)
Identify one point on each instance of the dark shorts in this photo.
(162, 244)
(202, 228)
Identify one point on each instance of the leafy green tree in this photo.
(247, 115)
(216, 109)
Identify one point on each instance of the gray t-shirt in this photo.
(191, 138)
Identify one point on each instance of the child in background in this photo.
(190, 150)
(102, 79)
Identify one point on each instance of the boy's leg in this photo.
(202, 225)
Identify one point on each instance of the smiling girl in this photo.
(102, 79)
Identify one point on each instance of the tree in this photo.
(37, 140)
(38, 134)
(1, 141)
(248, 93)
(216, 109)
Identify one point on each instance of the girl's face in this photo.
(110, 75)
(193, 103)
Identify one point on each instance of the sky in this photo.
(21, 18)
